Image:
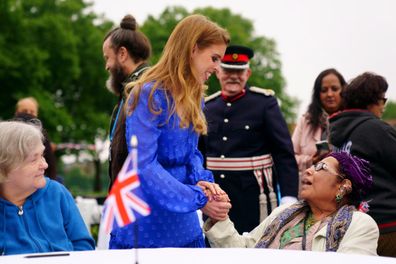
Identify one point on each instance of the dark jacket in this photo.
(118, 147)
(363, 134)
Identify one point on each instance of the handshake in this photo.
(218, 204)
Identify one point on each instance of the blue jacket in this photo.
(50, 222)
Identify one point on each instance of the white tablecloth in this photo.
(200, 256)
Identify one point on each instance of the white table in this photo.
(200, 256)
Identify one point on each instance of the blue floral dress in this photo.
(170, 166)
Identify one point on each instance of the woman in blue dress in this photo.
(164, 111)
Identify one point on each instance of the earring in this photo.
(339, 197)
(340, 194)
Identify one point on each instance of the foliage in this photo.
(79, 178)
(390, 111)
(51, 49)
(266, 65)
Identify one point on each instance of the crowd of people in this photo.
(330, 186)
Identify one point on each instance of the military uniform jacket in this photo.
(250, 126)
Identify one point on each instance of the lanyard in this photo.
(116, 120)
(304, 238)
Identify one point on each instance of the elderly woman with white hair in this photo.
(36, 214)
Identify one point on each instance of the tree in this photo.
(266, 65)
(390, 111)
(52, 50)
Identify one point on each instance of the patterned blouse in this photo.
(170, 166)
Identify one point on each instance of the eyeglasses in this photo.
(384, 99)
(323, 166)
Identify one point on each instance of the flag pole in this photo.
(134, 143)
(136, 243)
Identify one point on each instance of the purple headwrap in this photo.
(355, 169)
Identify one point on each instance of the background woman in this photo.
(165, 113)
(360, 131)
(313, 125)
(325, 219)
(37, 214)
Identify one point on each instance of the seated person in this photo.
(325, 219)
(37, 214)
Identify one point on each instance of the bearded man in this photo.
(125, 51)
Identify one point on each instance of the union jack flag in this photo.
(125, 204)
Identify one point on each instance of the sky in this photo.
(352, 36)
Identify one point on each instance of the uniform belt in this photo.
(239, 164)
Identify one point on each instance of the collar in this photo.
(137, 72)
(233, 98)
(133, 77)
(349, 110)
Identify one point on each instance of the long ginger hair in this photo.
(175, 74)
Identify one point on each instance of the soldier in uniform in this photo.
(126, 51)
(248, 146)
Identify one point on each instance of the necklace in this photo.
(309, 221)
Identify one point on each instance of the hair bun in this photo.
(128, 22)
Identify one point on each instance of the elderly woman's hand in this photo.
(216, 210)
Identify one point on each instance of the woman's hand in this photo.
(213, 188)
(213, 191)
(218, 204)
(216, 210)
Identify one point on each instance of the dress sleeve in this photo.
(224, 235)
(74, 224)
(159, 186)
(196, 170)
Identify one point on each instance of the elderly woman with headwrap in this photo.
(326, 219)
